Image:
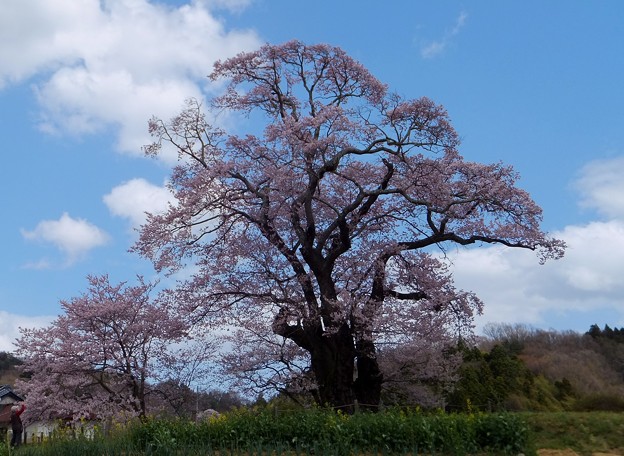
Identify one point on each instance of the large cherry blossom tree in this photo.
(321, 235)
(105, 355)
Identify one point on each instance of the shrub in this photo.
(607, 402)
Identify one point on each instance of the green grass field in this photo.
(584, 432)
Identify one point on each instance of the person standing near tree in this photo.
(16, 424)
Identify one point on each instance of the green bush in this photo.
(505, 433)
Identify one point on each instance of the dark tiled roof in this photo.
(6, 390)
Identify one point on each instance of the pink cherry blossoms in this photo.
(319, 237)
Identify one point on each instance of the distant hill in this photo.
(516, 367)
(8, 368)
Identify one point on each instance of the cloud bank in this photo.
(100, 64)
(516, 289)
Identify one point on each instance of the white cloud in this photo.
(595, 258)
(588, 279)
(134, 198)
(233, 5)
(114, 63)
(602, 188)
(435, 48)
(37, 35)
(516, 289)
(502, 279)
(73, 237)
(10, 324)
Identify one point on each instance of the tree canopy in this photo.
(319, 238)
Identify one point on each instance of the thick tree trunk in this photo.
(369, 377)
(332, 357)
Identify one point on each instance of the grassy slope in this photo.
(583, 432)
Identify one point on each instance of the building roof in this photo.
(8, 396)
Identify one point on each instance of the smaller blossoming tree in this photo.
(104, 355)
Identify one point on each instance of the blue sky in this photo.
(534, 84)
